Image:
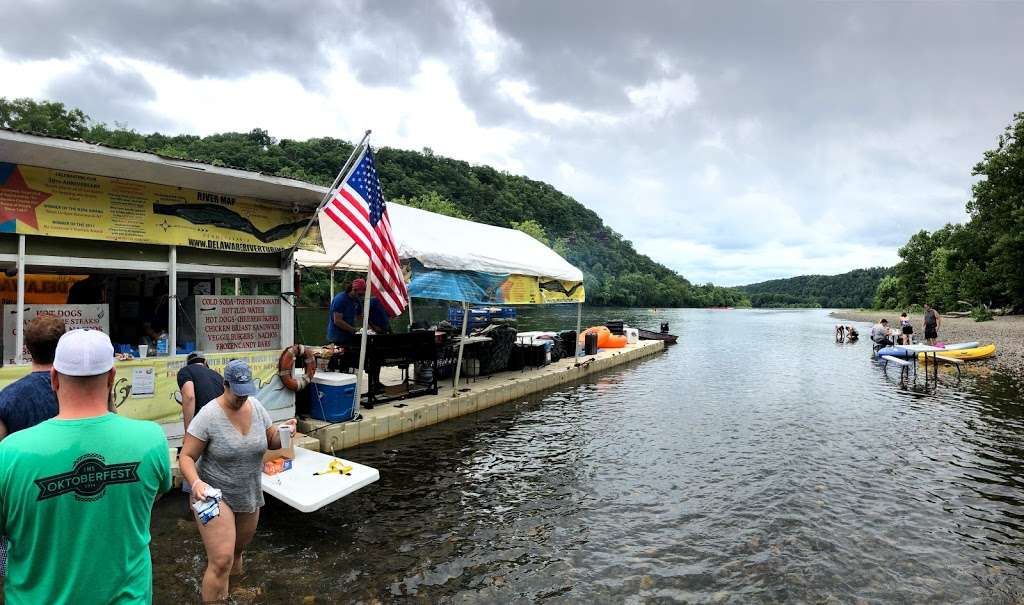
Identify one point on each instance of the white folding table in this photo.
(302, 490)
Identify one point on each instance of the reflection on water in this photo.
(755, 461)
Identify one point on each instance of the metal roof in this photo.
(93, 158)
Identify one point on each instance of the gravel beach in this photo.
(1006, 332)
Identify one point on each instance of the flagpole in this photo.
(362, 341)
(328, 194)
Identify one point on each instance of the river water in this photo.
(756, 461)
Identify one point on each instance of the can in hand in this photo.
(285, 431)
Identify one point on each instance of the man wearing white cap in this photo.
(76, 491)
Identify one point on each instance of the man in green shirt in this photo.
(76, 491)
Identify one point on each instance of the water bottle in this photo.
(161, 344)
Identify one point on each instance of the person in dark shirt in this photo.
(90, 291)
(199, 385)
(345, 309)
(380, 322)
(30, 400)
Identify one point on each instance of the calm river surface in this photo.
(756, 461)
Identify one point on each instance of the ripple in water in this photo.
(756, 461)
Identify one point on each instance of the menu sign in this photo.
(94, 317)
(238, 323)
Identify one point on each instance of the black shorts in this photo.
(908, 329)
(931, 332)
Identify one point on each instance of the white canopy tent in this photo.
(445, 243)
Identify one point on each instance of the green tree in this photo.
(44, 117)
(998, 209)
(533, 229)
(433, 202)
(887, 295)
(942, 280)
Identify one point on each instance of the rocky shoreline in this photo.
(1006, 332)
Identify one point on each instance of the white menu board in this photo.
(94, 317)
(238, 323)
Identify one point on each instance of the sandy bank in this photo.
(1006, 332)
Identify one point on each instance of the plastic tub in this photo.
(332, 396)
(632, 335)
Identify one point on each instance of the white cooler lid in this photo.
(337, 379)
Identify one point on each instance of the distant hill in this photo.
(854, 289)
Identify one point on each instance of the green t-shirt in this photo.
(75, 503)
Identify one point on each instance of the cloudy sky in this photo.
(732, 141)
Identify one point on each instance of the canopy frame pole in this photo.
(288, 301)
(238, 287)
(19, 327)
(172, 303)
(579, 324)
(343, 255)
(462, 344)
(362, 344)
(328, 194)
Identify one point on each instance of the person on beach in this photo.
(77, 491)
(932, 323)
(231, 434)
(30, 400)
(906, 330)
(881, 334)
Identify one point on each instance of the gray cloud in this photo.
(109, 95)
(814, 125)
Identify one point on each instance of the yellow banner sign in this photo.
(147, 389)
(529, 290)
(41, 201)
(39, 289)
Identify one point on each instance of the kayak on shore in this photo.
(954, 351)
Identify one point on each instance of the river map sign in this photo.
(60, 203)
(238, 323)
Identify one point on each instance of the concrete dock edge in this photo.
(386, 421)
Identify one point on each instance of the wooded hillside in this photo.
(855, 289)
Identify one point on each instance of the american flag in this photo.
(358, 207)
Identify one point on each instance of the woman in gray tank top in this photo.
(231, 434)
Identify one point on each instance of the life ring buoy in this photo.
(286, 365)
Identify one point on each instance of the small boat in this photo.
(962, 345)
(670, 339)
(971, 353)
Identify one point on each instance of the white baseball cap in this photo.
(84, 352)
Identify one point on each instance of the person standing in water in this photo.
(932, 323)
(224, 449)
(76, 491)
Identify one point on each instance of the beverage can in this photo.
(285, 431)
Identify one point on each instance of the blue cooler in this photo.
(332, 396)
